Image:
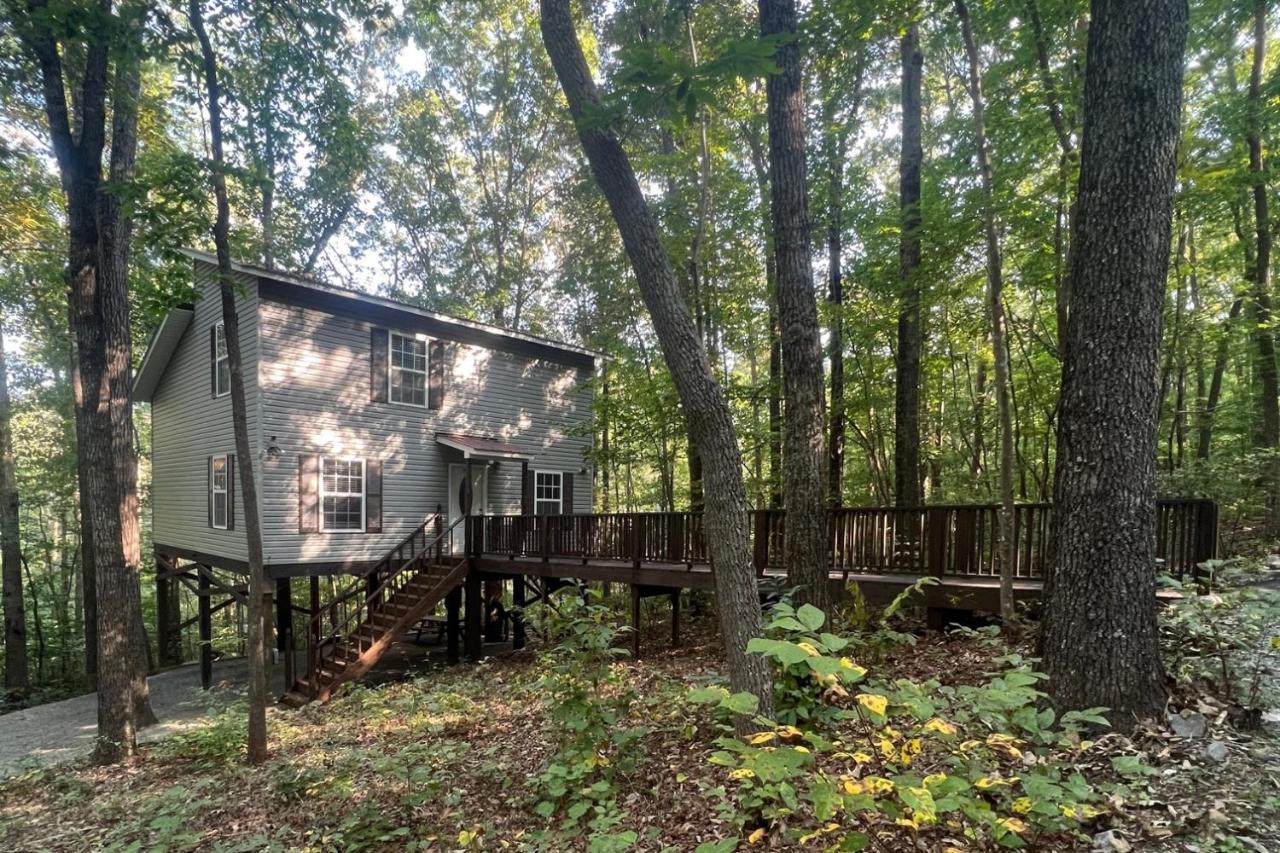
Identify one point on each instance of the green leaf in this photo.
(825, 799)
(724, 845)
(706, 695)
(741, 703)
(811, 617)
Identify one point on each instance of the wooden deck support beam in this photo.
(675, 619)
(635, 621)
(452, 630)
(517, 612)
(206, 629)
(168, 613)
(474, 617)
(284, 626)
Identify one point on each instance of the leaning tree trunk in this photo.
(1099, 637)
(706, 408)
(995, 309)
(16, 678)
(1268, 437)
(259, 589)
(805, 544)
(906, 433)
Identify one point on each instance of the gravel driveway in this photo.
(64, 731)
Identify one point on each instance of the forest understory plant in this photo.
(855, 762)
(587, 697)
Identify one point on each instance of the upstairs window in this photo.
(408, 370)
(221, 362)
(548, 493)
(218, 489)
(341, 494)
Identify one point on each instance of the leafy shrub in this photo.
(874, 633)
(587, 699)
(1226, 640)
(970, 766)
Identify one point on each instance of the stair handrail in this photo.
(430, 544)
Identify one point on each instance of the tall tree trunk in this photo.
(760, 166)
(1260, 297)
(1099, 639)
(835, 145)
(805, 544)
(16, 678)
(1204, 437)
(98, 319)
(1062, 131)
(706, 408)
(906, 433)
(260, 597)
(995, 310)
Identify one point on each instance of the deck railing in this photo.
(944, 540)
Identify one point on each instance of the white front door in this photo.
(479, 498)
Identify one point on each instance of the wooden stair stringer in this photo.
(417, 608)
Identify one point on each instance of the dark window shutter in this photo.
(379, 341)
(231, 491)
(213, 361)
(373, 496)
(208, 486)
(435, 374)
(526, 489)
(566, 492)
(308, 493)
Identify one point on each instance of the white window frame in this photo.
(220, 334)
(214, 491)
(559, 499)
(364, 490)
(425, 372)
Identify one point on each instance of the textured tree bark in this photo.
(98, 318)
(1099, 638)
(805, 545)
(995, 311)
(1268, 436)
(906, 433)
(16, 678)
(706, 408)
(260, 593)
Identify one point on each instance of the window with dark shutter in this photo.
(378, 344)
(308, 493)
(567, 493)
(373, 496)
(435, 378)
(548, 492)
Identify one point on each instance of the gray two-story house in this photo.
(365, 415)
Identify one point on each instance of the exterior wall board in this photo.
(188, 425)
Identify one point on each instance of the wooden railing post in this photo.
(760, 541)
(936, 541)
(439, 531)
(637, 541)
(1206, 535)
(545, 530)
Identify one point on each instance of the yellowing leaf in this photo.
(742, 773)
(874, 703)
(754, 838)
(809, 649)
(1012, 824)
(940, 726)
(761, 737)
(1022, 805)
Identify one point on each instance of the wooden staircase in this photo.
(377, 615)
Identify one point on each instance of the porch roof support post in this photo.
(206, 628)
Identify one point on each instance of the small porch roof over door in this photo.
(479, 447)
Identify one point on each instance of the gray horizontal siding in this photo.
(315, 379)
(188, 425)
